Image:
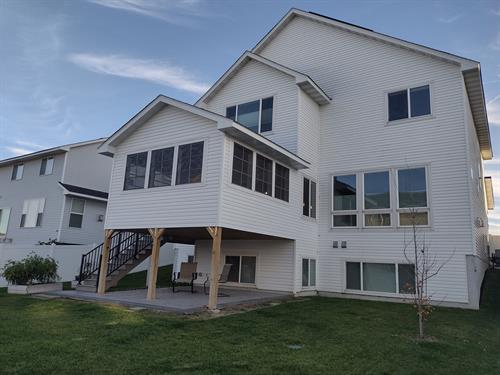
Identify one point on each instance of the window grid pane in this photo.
(376, 190)
(344, 193)
(135, 171)
(263, 175)
(189, 163)
(160, 173)
(77, 205)
(248, 115)
(305, 198)
(242, 166)
(398, 105)
(266, 116)
(379, 277)
(412, 188)
(281, 182)
(420, 101)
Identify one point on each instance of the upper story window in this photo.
(344, 201)
(76, 214)
(242, 166)
(242, 173)
(160, 167)
(256, 115)
(264, 175)
(135, 171)
(17, 172)
(377, 199)
(4, 221)
(412, 197)
(47, 166)
(32, 213)
(409, 103)
(189, 163)
(309, 198)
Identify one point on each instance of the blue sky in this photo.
(76, 70)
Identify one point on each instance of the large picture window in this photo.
(412, 102)
(263, 175)
(344, 201)
(135, 171)
(309, 198)
(256, 115)
(412, 197)
(160, 170)
(377, 199)
(380, 277)
(189, 163)
(242, 166)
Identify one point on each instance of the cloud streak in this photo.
(493, 109)
(147, 70)
(450, 19)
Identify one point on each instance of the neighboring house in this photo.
(59, 194)
(312, 152)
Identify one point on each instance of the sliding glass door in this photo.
(242, 269)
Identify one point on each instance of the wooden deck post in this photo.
(101, 286)
(156, 233)
(216, 234)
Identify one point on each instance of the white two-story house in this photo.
(314, 154)
(57, 195)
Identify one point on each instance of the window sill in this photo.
(409, 120)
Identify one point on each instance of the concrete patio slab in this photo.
(180, 302)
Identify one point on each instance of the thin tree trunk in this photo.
(420, 325)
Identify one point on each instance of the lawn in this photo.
(337, 336)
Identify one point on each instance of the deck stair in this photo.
(127, 251)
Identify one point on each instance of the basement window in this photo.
(380, 277)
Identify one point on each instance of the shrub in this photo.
(33, 269)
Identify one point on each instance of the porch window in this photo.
(344, 201)
(189, 163)
(242, 166)
(281, 182)
(32, 213)
(380, 277)
(263, 175)
(309, 198)
(242, 269)
(412, 197)
(160, 170)
(76, 214)
(256, 115)
(308, 272)
(17, 172)
(47, 166)
(135, 171)
(377, 199)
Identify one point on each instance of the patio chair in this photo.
(223, 278)
(187, 275)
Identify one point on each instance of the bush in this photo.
(33, 269)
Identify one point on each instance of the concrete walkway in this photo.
(180, 302)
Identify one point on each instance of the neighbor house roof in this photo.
(471, 69)
(83, 192)
(47, 152)
(302, 80)
(224, 124)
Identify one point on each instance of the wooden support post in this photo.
(216, 234)
(101, 286)
(156, 233)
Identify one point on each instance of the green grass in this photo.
(137, 280)
(339, 336)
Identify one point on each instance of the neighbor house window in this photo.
(4, 221)
(32, 213)
(47, 166)
(263, 175)
(76, 214)
(160, 167)
(135, 171)
(243, 269)
(377, 199)
(412, 197)
(281, 182)
(309, 198)
(256, 115)
(412, 102)
(344, 201)
(308, 272)
(242, 166)
(17, 172)
(380, 277)
(189, 163)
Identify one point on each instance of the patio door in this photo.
(242, 269)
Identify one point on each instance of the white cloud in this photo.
(495, 44)
(148, 70)
(451, 19)
(16, 151)
(178, 12)
(496, 12)
(493, 109)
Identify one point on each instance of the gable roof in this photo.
(224, 124)
(83, 192)
(47, 152)
(302, 80)
(471, 69)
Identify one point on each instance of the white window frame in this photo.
(260, 112)
(51, 158)
(71, 212)
(309, 286)
(375, 211)
(345, 212)
(416, 209)
(407, 89)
